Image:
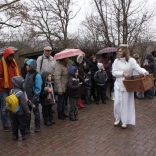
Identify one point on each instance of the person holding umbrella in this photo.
(61, 75)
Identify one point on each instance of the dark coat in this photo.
(151, 66)
(74, 90)
(101, 77)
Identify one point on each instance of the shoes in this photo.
(37, 129)
(104, 102)
(72, 118)
(117, 122)
(124, 126)
(83, 106)
(14, 137)
(24, 137)
(47, 123)
(53, 122)
(6, 129)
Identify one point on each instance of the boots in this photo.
(60, 116)
(47, 122)
(72, 118)
(76, 116)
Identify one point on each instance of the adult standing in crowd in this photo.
(8, 69)
(94, 68)
(61, 75)
(46, 62)
(150, 65)
(123, 67)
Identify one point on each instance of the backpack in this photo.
(12, 103)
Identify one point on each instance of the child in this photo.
(19, 118)
(47, 98)
(73, 92)
(32, 86)
(88, 85)
(101, 78)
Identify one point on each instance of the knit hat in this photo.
(32, 63)
(72, 70)
(99, 65)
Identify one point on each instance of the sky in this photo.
(85, 6)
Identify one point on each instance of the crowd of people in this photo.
(52, 82)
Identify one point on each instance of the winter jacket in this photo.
(17, 83)
(45, 64)
(100, 77)
(33, 83)
(46, 98)
(151, 66)
(61, 75)
(11, 72)
(120, 66)
(74, 87)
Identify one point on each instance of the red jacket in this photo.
(11, 71)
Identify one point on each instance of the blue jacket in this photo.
(33, 82)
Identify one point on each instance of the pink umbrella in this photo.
(67, 53)
(107, 50)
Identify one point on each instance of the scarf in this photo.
(6, 82)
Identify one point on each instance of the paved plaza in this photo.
(92, 135)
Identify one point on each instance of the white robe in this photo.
(124, 108)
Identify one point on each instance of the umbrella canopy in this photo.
(67, 53)
(2, 49)
(107, 50)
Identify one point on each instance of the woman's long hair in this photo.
(125, 52)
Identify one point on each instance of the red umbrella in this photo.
(107, 50)
(67, 53)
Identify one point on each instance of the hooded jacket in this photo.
(17, 82)
(73, 83)
(151, 66)
(11, 71)
(33, 82)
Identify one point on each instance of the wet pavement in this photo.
(92, 135)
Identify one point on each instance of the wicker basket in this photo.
(139, 83)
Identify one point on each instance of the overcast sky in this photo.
(85, 6)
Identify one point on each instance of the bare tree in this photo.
(119, 21)
(51, 18)
(12, 13)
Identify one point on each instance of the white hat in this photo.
(47, 48)
(99, 65)
(123, 45)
